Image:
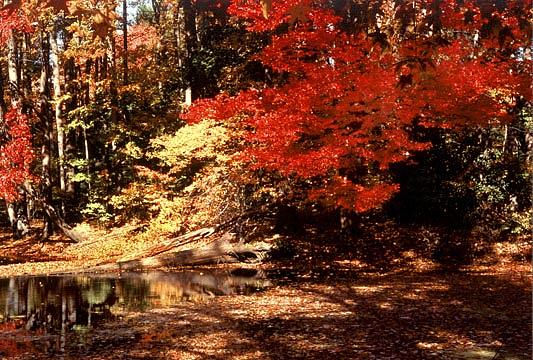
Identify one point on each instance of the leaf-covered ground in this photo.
(322, 310)
(350, 316)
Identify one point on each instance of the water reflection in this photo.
(38, 314)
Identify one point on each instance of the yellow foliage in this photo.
(187, 196)
(205, 141)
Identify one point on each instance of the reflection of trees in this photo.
(133, 293)
(54, 305)
(165, 289)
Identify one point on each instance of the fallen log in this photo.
(216, 252)
(198, 247)
(219, 251)
(191, 237)
(182, 240)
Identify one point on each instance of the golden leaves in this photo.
(266, 6)
(101, 13)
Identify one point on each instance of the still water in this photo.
(39, 314)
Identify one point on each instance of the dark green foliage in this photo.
(473, 185)
(224, 63)
(471, 178)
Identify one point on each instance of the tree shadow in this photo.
(457, 315)
(8, 261)
(396, 316)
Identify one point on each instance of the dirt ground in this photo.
(323, 310)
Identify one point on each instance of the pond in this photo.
(49, 314)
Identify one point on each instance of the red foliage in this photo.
(16, 154)
(12, 19)
(142, 39)
(348, 108)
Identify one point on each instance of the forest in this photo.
(314, 142)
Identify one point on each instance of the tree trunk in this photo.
(12, 216)
(125, 79)
(191, 43)
(156, 6)
(46, 126)
(51, 214)
(125, 41)
(56, 83)
(220, 251)
(70, 147)
(528, 140)
(26, 68)
(3, 106)
(12, 62)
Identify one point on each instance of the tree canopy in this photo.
(347, 104)
(320, 102)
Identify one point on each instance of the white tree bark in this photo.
(56, 82)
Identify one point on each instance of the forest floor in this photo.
(321, 306)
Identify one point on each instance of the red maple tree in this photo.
(16, 153)
(349, 104)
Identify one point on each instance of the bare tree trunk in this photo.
(12, 216)
(46, 123)
(56, 83)
(3, 106)
(25, 90)
(125, 79)
(12, 79)
(177, 32)
(528, 138)
(12, 73)
(25, 81)
(70, 148)
(13, 86)
(156, 6)
(86, 100)
(113, 83)
(191, 43)
(51, 214)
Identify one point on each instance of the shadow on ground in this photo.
(395, 316)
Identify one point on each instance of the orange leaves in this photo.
(100, 13)
(21, 15)
(349, 107)
(142, 36)
(142, 42)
